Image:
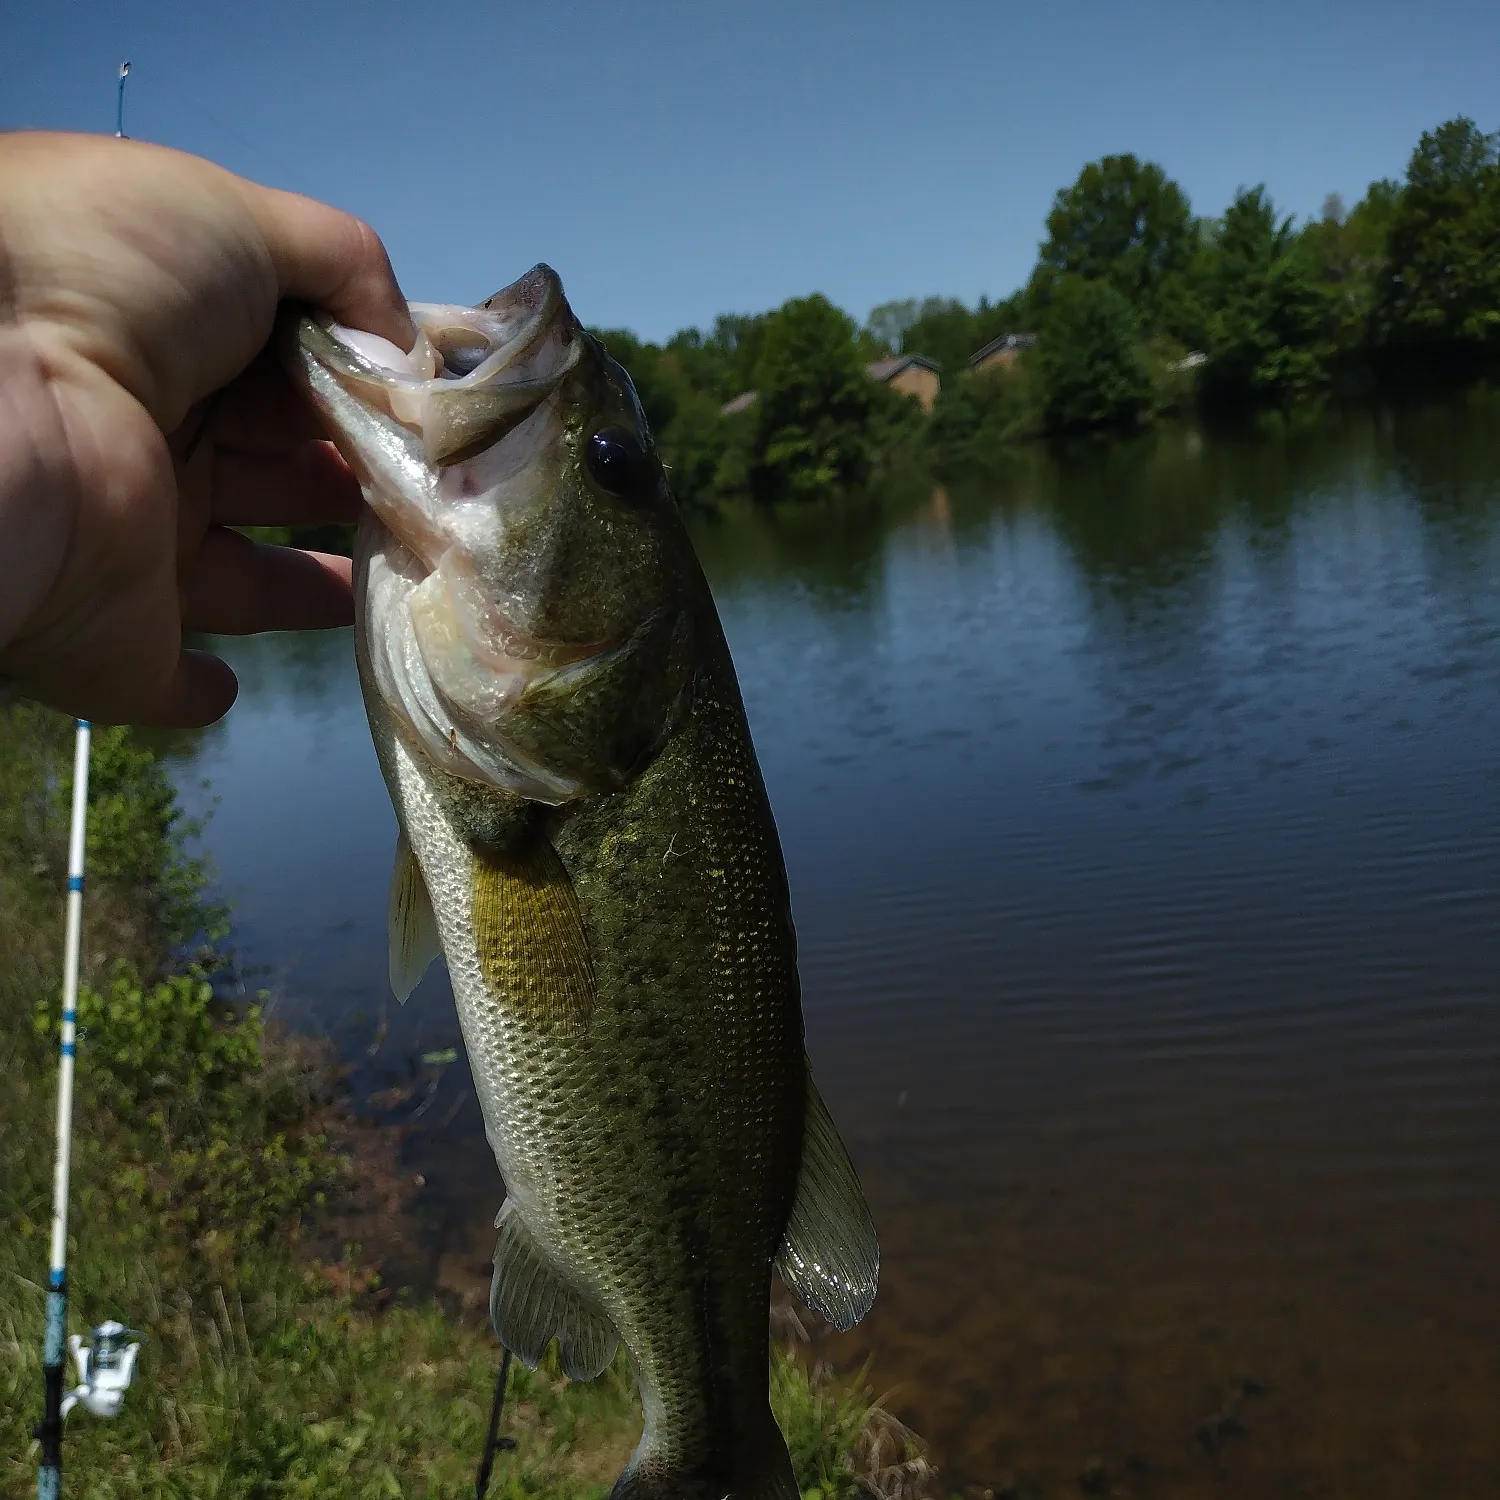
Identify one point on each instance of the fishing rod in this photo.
(49, 1480)
(493, 1442)
(120, 103)
(106, 1366)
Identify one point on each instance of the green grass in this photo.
(197, 1176)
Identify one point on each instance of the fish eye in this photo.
(616, 460)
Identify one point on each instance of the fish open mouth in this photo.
(410, 420)
(473, 374)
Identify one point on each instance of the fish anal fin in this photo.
(528, 929)
(531, 1304)
(410, 924)
(829, 1256)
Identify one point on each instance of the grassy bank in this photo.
(200, 1174)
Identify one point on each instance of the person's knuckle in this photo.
(369, 253)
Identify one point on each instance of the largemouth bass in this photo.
(586, 838)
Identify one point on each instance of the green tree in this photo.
(945, 331)
(979, 412)
(1271, 329)
(1367, 230)
(1089, 358)
(1126, 222)
(814, 417)
(697, 361)
(1441, 285)
(888, 322)
(691, 447)
(1347, 252)
(657, 381)
(682, 388)
(737, 340)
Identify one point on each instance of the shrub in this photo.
(978, 413)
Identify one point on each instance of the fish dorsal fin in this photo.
(531, 1304)
(528, 930)
(830, 1257)
(410, 923)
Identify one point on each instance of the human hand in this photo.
(141, 415)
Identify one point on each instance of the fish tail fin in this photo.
(758, 1471)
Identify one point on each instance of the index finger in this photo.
(261, 411)
(332, 260)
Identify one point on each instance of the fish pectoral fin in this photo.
(829, 1257)
(410, 924)
(528, 930)
(531, 1304)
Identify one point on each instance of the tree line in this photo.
(1140, 307)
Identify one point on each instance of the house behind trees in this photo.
(911, 375)
(1002, 352)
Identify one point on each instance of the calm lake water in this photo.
(1142, 811)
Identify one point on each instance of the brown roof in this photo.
(1005, 341)
(888, 369)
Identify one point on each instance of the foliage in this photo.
(136, 834)
(707, 455)
(657, 378)
(1441, 285)
(842, 1442)
(1173, 373)
(169, 1044)
(734, 347)
(1272, 331)
(978, 413)
(1347, 252)
(817, 422)
(1125, 222)
(683, 386)
(1089, 358)
(814, 415)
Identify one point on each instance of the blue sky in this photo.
(674, 161)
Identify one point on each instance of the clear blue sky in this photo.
(674, 161)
